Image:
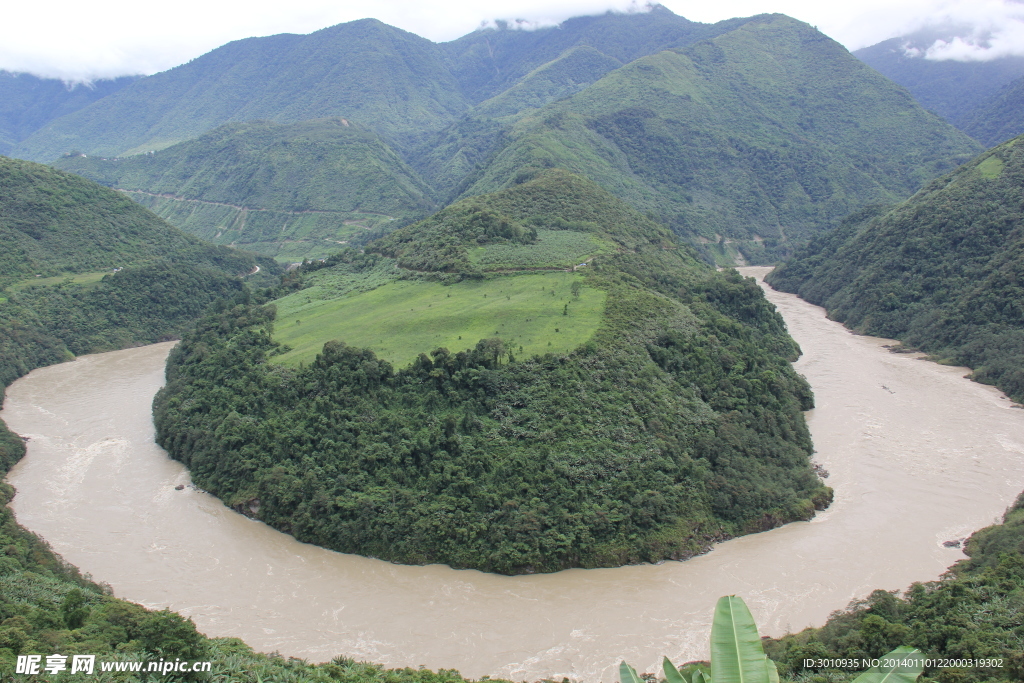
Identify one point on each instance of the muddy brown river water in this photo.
(917, 454)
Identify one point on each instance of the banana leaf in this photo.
(736, 652)
(627, 674)
(672, 674)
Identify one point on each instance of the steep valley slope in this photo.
(291, 191)
(942, 271)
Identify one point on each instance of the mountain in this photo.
(952, 89)
(488, 62)
(28, 102)
(999, 118)
(291, 191)
(941, 272)
(449, 158)
(749, 141)
(401, 86)
(745, 136)
(363, 70)
(529, 380)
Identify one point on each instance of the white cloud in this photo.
(82, 41)
(996, 30)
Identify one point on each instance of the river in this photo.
(917, 454)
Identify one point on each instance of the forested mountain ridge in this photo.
(745, 136)
(490, 61)
(649, 440)
(363, 70)
(941, 272)
(286, 190)
(983, 98)
(953, 89)
(998, 118)
(760, 136)
(28, 102)
(400, 85)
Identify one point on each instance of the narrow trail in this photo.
(252, 209)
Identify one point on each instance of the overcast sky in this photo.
(77, 40)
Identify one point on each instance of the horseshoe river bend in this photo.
(917, 456)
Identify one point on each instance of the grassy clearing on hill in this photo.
(553, 249)
(402, 319)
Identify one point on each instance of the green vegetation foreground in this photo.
(676, 425)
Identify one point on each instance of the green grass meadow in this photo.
(402, 319)
(554, 249)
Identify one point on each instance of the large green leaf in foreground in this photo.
(736, 652)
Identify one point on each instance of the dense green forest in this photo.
(676, 425)
(291, 191)
(998, 118)
(941, 272)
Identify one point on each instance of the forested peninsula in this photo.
(942, 271)
(677, 424)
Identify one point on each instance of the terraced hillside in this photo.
(289, 191)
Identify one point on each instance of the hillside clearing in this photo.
(403, 319)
